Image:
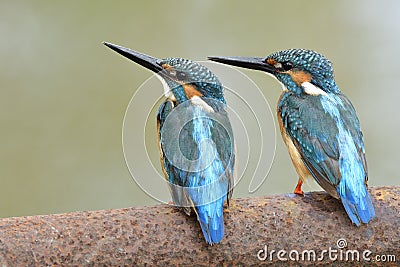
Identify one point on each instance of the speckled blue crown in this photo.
(198, 75)
(309, 61)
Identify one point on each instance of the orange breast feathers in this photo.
(295, 156)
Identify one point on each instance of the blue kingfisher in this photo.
(195, 138)
(319, 126)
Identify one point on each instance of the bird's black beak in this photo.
(255, 63)
(146, 61)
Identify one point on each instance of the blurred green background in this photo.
(63, 94)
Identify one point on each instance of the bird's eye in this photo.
(287, 66)
(180, 75)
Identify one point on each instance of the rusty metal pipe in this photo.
(162, 235)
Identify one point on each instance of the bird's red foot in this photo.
(298, 190)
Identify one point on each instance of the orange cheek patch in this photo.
(300, 77)
(191, 91)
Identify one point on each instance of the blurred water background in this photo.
(64, 95)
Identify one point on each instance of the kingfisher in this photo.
(319, 126)
(195, 138)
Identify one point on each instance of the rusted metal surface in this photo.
(162, 235)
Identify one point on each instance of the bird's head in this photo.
(184, 78)
(299, 70)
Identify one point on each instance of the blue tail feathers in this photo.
(211, 220)
(359, 209)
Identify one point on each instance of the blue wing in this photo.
(199, 171)
(327, 134)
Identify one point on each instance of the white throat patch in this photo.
(167, 91)
(311, 89)
(197, 101)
